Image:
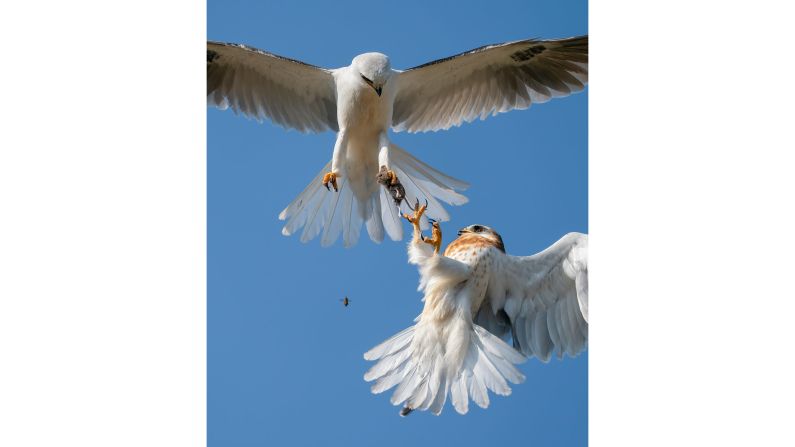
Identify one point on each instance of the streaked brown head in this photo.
(480, 234)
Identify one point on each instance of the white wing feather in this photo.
(541, 299)
(261, 84)
(488, 80)
(545, 297)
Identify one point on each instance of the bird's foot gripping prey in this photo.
(389, 180)
(330, 178)
(476, 298)
(363, 101)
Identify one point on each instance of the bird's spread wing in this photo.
(488, 80)
(541, 299)
(260, 84)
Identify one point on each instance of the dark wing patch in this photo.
(211, 56)
(264, 53)
(488, 80)
(529, 53)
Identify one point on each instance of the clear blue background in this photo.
(285, 359)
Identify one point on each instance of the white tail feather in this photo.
(331, 214)
(390, 216)
(425, 363)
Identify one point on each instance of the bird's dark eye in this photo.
(365, 79)
(477, 228)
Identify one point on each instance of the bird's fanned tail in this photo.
(330, 214)
(424, 182)
(426, 363)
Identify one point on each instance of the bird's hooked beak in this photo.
(462, 231)
(369, 82)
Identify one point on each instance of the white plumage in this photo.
(476, 296)
(362, 101)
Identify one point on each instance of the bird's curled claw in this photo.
(436, 231)
(419, 210)
(436, 236)
(330, 177)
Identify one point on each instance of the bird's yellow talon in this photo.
(436, 236)
(419, 210)
(436, 232)
(330, 177)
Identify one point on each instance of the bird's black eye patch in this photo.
(477, 228)
(366, 80)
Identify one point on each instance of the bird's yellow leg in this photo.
(330, 177)
(436, 231)
(383, 161)
(436, 237)
(415, 220)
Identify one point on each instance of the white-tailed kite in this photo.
(362, 101)
(475, 295)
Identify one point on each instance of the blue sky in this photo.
(285, 359)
